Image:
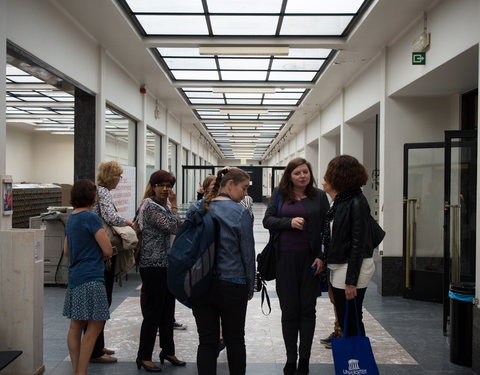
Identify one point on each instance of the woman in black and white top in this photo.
(158, 220)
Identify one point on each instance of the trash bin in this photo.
(461, 316)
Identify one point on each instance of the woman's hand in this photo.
(350, 292)
(129, 223)
(318, 265)
(297, 223)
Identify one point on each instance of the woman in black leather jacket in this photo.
(294, 215)
(347, 244)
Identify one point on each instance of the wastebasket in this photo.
(461, 315)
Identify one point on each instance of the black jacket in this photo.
(350, 241)
(315, 208)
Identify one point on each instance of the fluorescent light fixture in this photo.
(64, 133)
(244, 50)
(243, 111)
(56, 128)
(248, 90)
(243, 124)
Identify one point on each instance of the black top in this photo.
(315, 208)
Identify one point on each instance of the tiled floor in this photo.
(406, 335)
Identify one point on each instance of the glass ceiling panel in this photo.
(244, 25)
(244, 64)
(235, 95)
(284, 95)
(204, 94)
(173, 24)
(296, 64)
(191, 6)
(244, 101)
(280, 102)
(323, 6)
(180, 52)
(186, 63)
(243, 76)
(292, 76)
(309, 52)
(209, 75)
(244, 6)
(207, 101)
(314, 25)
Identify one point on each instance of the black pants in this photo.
(227, 302)
(340, 300)
(297, 290)
(109, 276)
(158, 309)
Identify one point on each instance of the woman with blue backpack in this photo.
(232, 286)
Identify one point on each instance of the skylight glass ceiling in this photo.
(178, 30)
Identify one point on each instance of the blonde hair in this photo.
(107, 173)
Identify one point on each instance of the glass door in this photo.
(460, 188)
(423, 221)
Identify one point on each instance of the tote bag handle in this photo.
(345, 320)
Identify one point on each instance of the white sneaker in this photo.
(179, 326)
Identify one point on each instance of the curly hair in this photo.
(285, 186)
(345, 173)
(107, 173)
(235, 174)
(83, 193)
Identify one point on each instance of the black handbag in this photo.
(267, 259)
(266, 262)
(376, 232)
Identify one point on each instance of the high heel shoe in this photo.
(147, 368)
(303, 366)
(172, 359)
(290, 368)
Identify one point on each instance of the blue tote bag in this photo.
(353, 355)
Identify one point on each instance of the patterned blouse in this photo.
(158, 224)
(105, 208)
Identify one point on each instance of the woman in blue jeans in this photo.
(235, 272)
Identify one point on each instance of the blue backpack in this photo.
(191, 259)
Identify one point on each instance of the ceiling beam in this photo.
(184, 41)
(275, 84)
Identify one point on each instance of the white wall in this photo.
(39, 157)
(409, 120)
(19, 154)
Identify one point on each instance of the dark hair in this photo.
(223, 176)
(158, 177)
(83, 193)
(345, 173)
(285, 186)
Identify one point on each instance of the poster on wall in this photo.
(7, 196)
(124, 194)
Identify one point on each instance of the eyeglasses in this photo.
(163, 186)
(120, 176)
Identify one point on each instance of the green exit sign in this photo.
(418, 58)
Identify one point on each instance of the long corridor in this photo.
(406, 335)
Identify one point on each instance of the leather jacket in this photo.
(350, 241)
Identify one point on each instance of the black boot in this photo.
(290, 368)
(302, 366)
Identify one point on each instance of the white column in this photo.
(141, 151)
(3, 86)
(100, 140)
